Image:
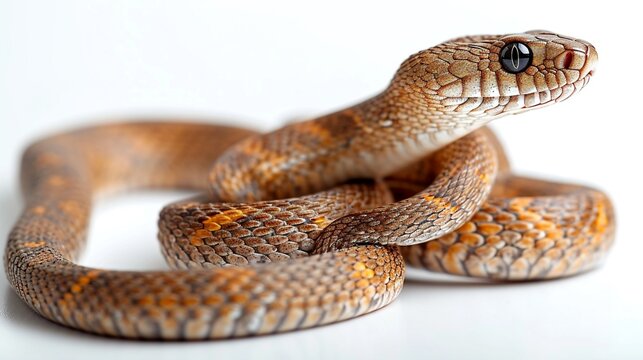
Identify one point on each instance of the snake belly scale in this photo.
(313, 223)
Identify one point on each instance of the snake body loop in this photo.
(312, 223)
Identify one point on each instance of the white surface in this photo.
(65, 63)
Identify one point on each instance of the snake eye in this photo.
(515, 57)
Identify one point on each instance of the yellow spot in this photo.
(320, 221)
(441, 203)
(368, 273)
(234, 214)
(222, 219)
(76, 288)
(601, 221)
(360, 266)
(213, 226)
(362, 284)
(484, 178)
(34, 244)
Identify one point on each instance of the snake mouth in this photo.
(563, 92)
(537, 99)
(513, 104)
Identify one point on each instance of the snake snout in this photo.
(591, 60)
(580, 56)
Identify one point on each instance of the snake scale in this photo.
(313, 223)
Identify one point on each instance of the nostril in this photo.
(569, 57)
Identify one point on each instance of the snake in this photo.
(315, 222)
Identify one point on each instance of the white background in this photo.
(64, 63)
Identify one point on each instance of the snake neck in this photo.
(402, 126)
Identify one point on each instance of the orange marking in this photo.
(191, 301)
(83, 281)
(545, 225)
(213, 300)
(203, 233)
(321, 221)
(468, 227)
(555, 234)
(601, 222)
(34, 244)
(239, 298)
(146, 300)
(234, 214)
(441, 203)
(196, 241)
(215, 222)
(316, 130)
(38, 210)
(221, 219)
(433, 246)
(518, 204)
(167, 302)
(529, 216)
(368, 273)
(362, 284)
(489, 228)
(484, 178)
(213, 226)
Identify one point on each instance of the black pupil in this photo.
(515, 57)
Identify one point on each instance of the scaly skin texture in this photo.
(288, 238)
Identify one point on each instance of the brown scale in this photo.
(260, 255)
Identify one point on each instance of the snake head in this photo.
(488, 76)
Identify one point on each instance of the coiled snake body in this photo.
(439, 185)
